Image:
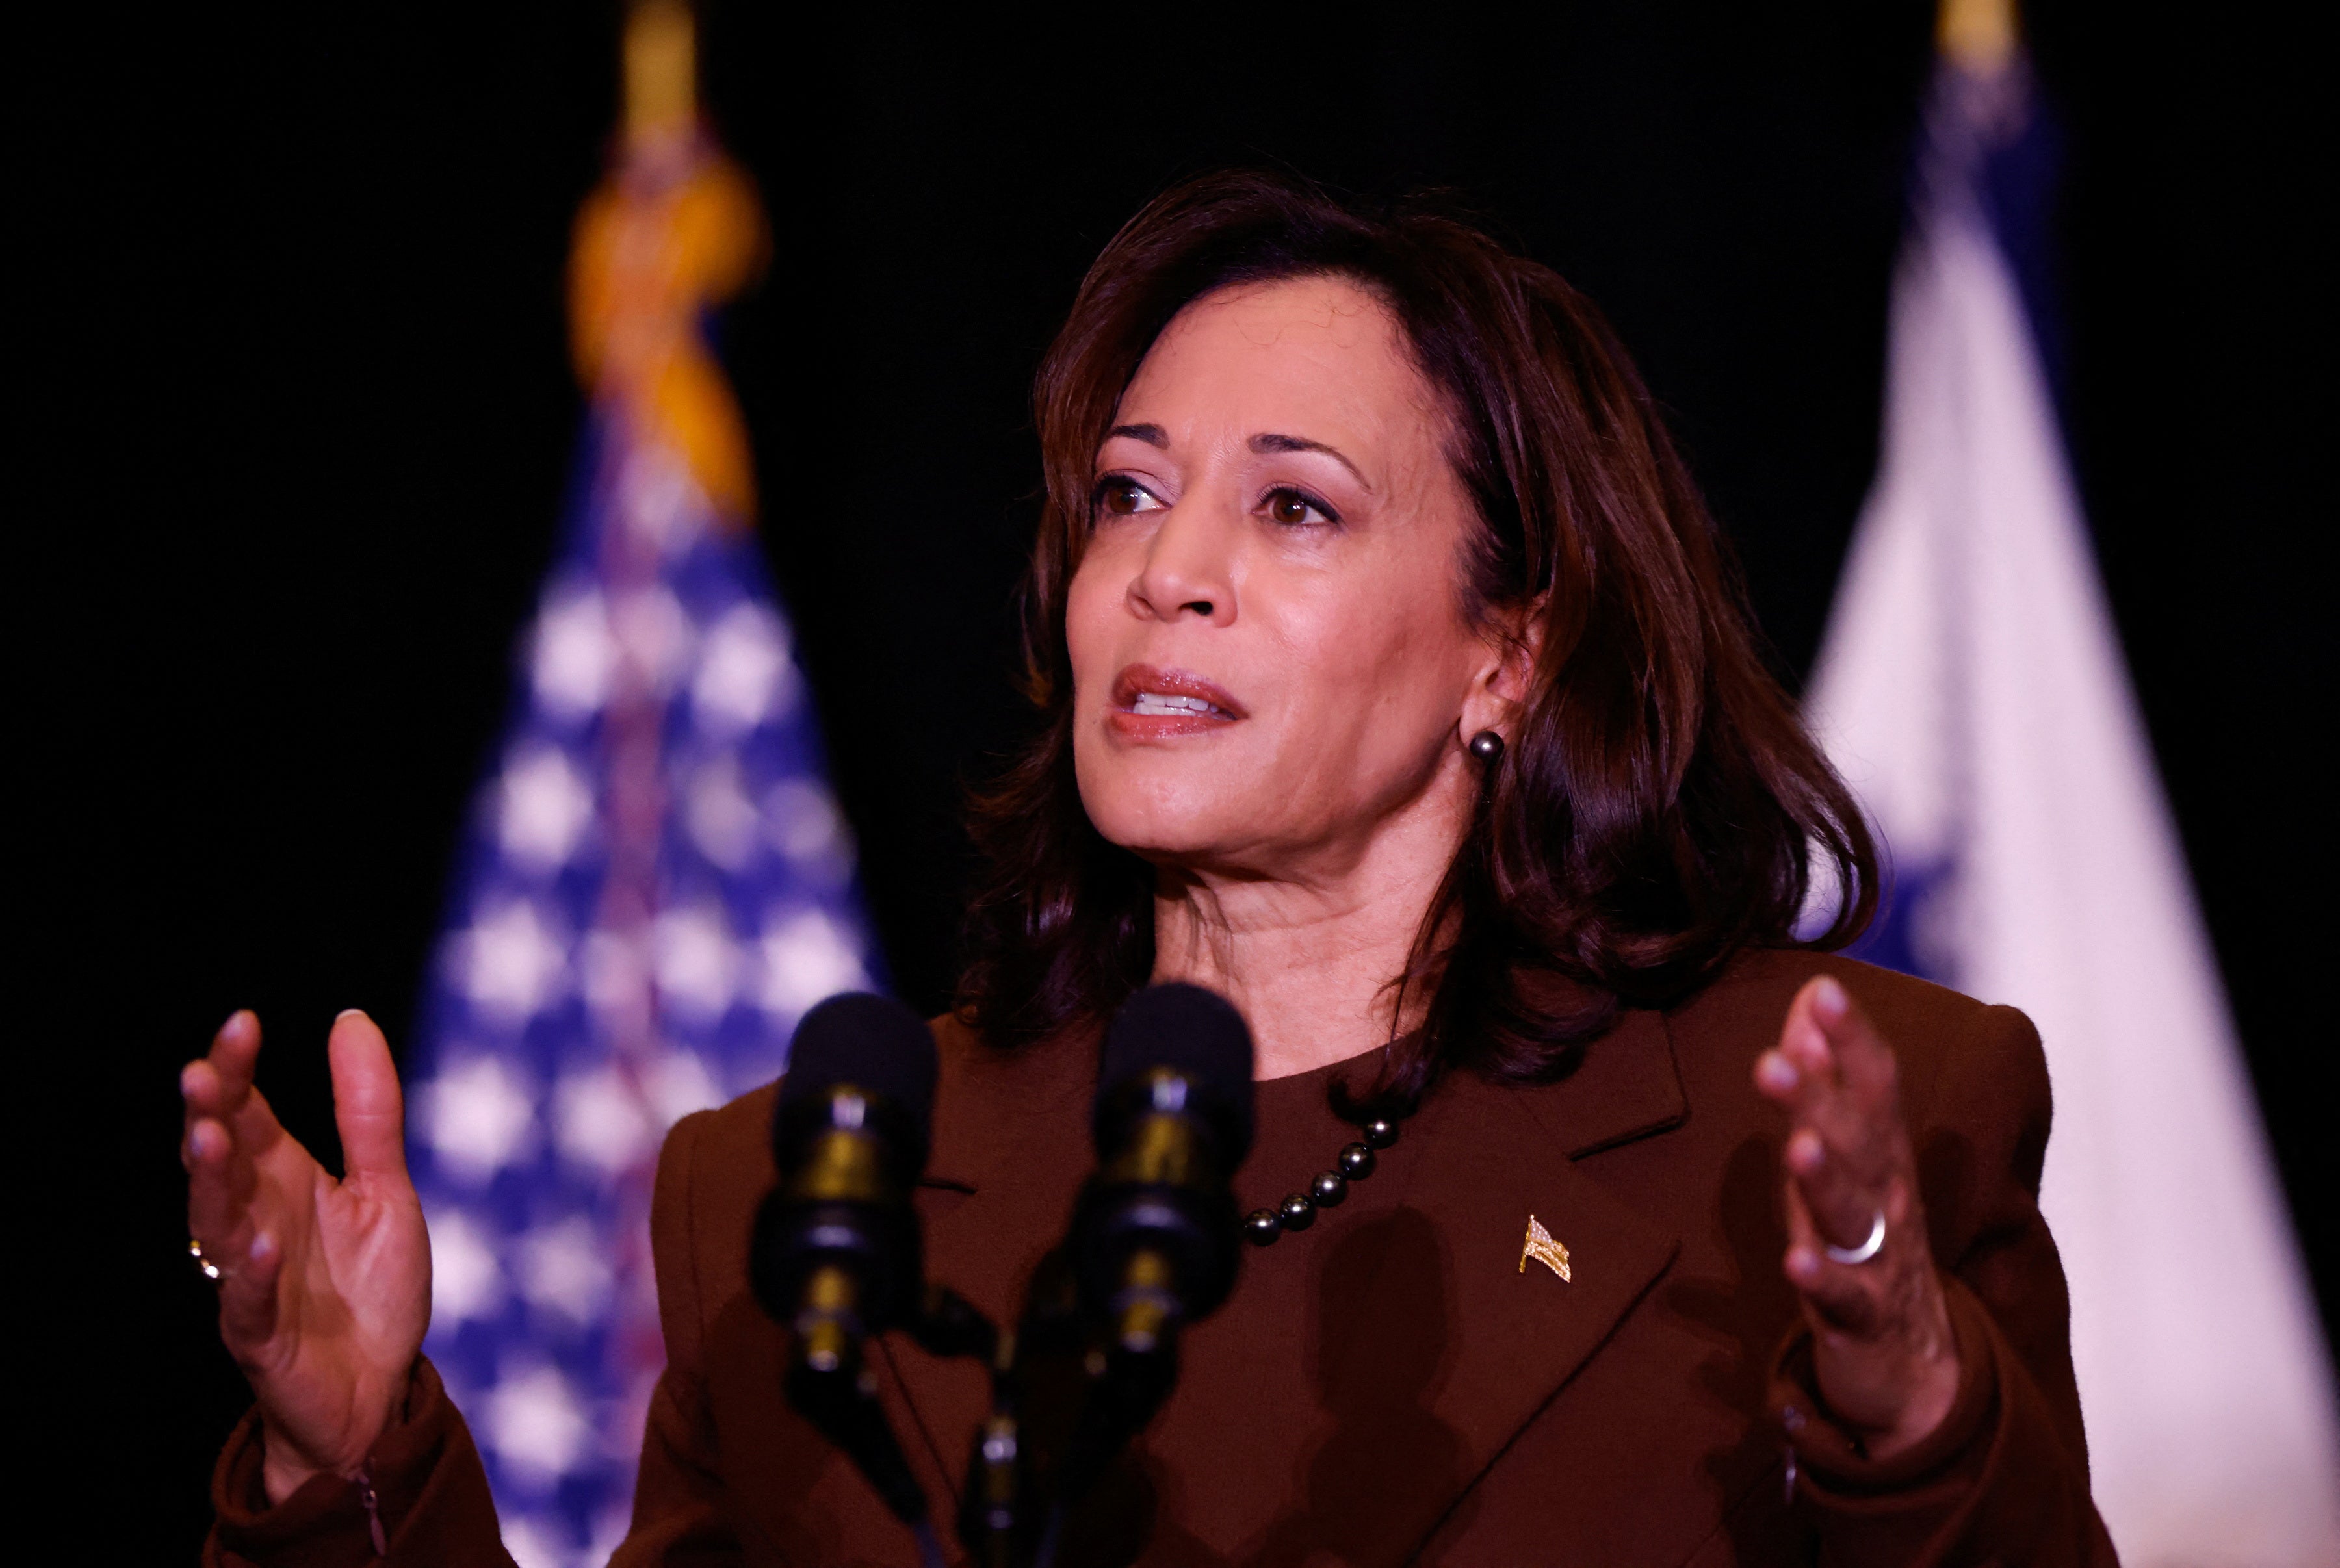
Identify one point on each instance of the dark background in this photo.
(300, 419)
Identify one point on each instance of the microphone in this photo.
(1155, 1243)
(836, 1254)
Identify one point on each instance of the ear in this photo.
(1512, 640)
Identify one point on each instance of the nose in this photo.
(1189, 566)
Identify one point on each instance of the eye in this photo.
(1119, 496)
(1297, 508)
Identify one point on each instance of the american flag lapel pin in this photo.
(1544, 1250)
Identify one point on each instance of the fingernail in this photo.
(1776, 1072)
(1828, 997)
(349, 1012)
(1806, 1152)
(187, 1082)
(264, 1248)
(1803, 1264)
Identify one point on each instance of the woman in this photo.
(1394, 689)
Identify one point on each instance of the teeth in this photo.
(1160, 704)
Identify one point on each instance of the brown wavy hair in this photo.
(1660, 805)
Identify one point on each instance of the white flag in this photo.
(1972, 692)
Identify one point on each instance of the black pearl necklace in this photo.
(1261, 1227)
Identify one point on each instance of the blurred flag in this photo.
(1972, 690)
(656, 882)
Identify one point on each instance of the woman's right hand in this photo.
(324, 1284)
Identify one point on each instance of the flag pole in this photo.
(1978, 37)
(661, 71)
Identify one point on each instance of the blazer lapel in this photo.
(1493, 1161)
(1627, 1086)
(1449, 1341)
(996, 1197)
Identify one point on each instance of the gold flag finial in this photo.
(1544, 1250)
(673, 231)
(1977, 36)
(662, 71)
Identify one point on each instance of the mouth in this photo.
(1151, 703)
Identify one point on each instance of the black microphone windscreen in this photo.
(1195, 1033)
(872, 1042)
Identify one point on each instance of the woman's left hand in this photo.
(1882, 1348)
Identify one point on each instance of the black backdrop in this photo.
(299, 420)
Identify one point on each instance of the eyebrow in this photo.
(1156, 437)
(1275, 443)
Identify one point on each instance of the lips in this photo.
(1155, 704)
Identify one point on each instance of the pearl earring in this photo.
(1488, 747)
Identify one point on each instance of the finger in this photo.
(218, 1088)
(1800, 1071)
(1843, 1200)
(236, 1100)
(1847, 1152)
(219, 1099)
(215, 1083)
(235, 1050)
(1844, 1297)
(1815, 1179)
(220, 1181)
(248, 1293)
(1860, 1121)
(1865, 1064)
(199, 1098)
(1834, 1073)
(1827, 1129)
(368, 1106)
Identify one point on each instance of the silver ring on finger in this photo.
(1865, 1250)
(195, 1250)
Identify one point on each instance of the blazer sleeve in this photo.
(2005, 1478)
(431, 1501)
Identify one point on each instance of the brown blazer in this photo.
(1395, 1385)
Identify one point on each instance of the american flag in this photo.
(656, 883)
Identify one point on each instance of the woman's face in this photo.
(1271, 668)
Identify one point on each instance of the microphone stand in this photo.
(830, 1387)
(830, 1384)
(1065, 1401)
(1065, 1398)
(1008, 1516)
(1152, 1246)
